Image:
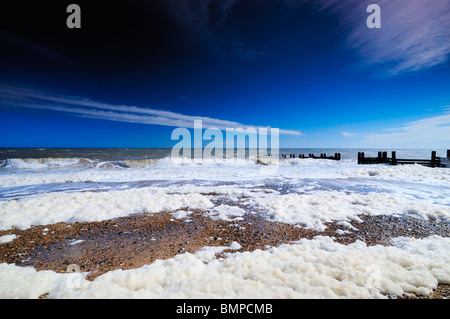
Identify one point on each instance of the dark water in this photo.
(119, 154)
(100, 154)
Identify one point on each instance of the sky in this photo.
(137, 70)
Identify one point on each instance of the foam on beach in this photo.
(304, 192)
(311, 210)
(314, 210)
(318, 268)
(92, 206)
(340, 191)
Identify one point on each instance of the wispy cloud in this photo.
(414, 34)
(35, 48)
(425, 133)
(87, 108)
(348, 134)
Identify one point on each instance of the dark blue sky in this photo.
(311, 68)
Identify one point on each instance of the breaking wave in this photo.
(43, 163)
(51, 163)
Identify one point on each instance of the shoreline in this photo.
(136, 240)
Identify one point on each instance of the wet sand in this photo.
(136, 240)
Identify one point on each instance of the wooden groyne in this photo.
(336, 157)
(382, 158)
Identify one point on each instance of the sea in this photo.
(41, 186)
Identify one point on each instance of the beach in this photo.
(159, 227)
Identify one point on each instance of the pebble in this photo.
(73, 268)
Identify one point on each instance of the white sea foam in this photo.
(418, 173)
(39, 163)
(226, 212)
(318, 268)
(92, 206)
(306, 191)
(240, 170)
(7, 238)
(313, 210)
(301, 191)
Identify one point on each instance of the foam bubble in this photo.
(92, 206)
(318, 268)
(316, 209)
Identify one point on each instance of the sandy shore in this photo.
(133, 241)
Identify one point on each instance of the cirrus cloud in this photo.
(414, 34)
(424, 133)
(87, 108)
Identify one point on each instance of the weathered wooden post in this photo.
(447, 161)
(394, 158)
(433, 159)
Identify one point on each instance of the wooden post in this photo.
(433, 159)
(394, 158)
(448, 153)
(360, 157)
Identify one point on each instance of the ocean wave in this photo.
(37, 163)
(43, 163)
(169, 161)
